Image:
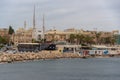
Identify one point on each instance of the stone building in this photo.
(4, 32)
(58, 35)
(22, 36)
(25, 36)
(55, 35)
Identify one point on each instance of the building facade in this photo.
(4, 32)
(55, 35)
(25, 36)
(22, 36)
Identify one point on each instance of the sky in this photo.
(102, 15)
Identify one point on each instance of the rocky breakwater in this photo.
(8, 58)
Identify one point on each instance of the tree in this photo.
(88, 39)
(72, 38)
(108, 40)
(33, 41)
(42, 40)
(11, 30)
(97, 36)
(77, 38)
(81, 38)
(0, 39)
(113, 41)
(102, 40)
(3, 40)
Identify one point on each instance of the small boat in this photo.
(84, 57)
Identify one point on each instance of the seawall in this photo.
(8, 58)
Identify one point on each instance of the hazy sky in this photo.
(62, 14)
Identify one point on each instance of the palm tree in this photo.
(102, 40)
(77, 38)
(113, 41)
(97, 36)
(88, 39)
(72, 38)
(81, 38)
(109, 40)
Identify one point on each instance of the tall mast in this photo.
(34, 23)
(43, 27)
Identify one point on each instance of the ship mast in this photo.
(43, 28)
(34, 25)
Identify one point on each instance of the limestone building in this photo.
(4, 32)
(55, 35)
(22, 36)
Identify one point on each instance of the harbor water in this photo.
(63, 69)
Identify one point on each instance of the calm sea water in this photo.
(63, 69)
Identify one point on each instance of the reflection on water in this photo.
(63, 69)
